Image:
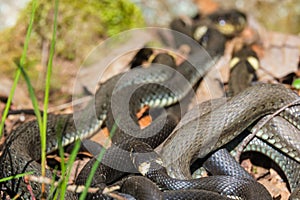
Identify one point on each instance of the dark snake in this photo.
(184, 129)
(14, 155)
(57, 122)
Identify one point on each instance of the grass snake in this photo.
(265, 102)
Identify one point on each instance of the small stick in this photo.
(111, 189)
(116, 196)
(29, 188)
(72, 188)
(51, 109)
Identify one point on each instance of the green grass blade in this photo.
(63, 182)
(32, 95)
(14, 177)
(52, 188)
(66, 173)
(47, 89)
(60, 129)
(22, 62)
(96, 164)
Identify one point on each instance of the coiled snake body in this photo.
(223, 124)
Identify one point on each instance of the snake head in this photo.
(144, 158)
(229, 22)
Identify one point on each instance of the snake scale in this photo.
(19, 153)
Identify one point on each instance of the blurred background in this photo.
(278, 15)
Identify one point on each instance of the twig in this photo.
(246, 141)
(51, 109)
(72, 188)
(16, 196)
(116, 196)
(108, 190)
(69, 104)
(29, 188)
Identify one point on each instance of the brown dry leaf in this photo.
(145, 121)
(76, 168)
(281, 55)
(269, 178)
(102, 137)
(274, 184)
(142, 111)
